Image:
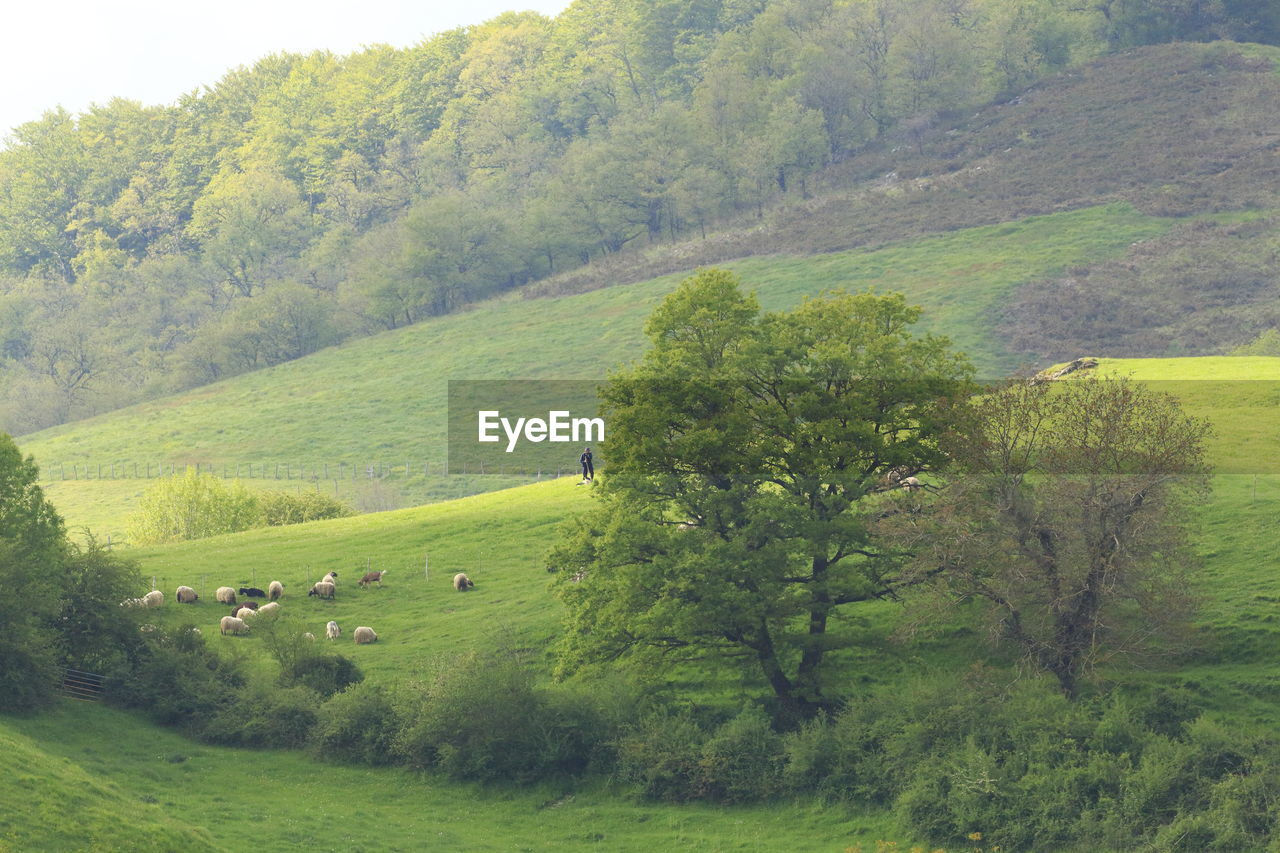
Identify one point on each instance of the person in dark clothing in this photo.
(588, 470)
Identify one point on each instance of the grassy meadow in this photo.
(86, 777)
(383, 400)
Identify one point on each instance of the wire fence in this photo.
(291, 471)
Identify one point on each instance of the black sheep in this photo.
(253, 592)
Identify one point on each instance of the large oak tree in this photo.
(745, 451)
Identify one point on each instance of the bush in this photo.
(279, 508)
(483, 719)
(265, 716)
(192, 506)
(358, 725)
(176, 678)
(304, 662)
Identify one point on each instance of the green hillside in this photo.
(86, 777)
(382, 400)
(498, 539)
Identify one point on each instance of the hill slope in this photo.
(382, 400)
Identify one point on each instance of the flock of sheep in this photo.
(244, 612)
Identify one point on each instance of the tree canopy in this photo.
(144, 249)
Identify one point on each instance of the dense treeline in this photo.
(311, 198)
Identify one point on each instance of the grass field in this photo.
(382, 400)
(87, 777)
(498, 539)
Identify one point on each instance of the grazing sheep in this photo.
(225, 595)
(309, 636)
(232, 625)
(371, 577)
(323, 589)
(332, 631)
(186, 595)
(252, 592)
(155, 598)
(269, 607)
(364, 634)
(461, 582)
(246, 612)
(275, 589)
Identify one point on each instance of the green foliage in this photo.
(671, 758)
(304, 661)
(743, 450)
(1267, 343)
(154, 248)
(482, 718)
(192, 506)
(280, 508)
(32, 554)
(95, 632)
(357, 726)
(175, 677)
(265, 716)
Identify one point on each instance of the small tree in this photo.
(1068, 517)
(192, 506)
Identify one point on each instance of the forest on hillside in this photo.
(312, 198)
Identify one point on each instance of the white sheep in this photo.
(269, 607)
(186, 595)
(225, 595)
(274, 590)
(910, 483)
(461, 582)
(245, 612)
(322, 589)
(365, 634)
(233, 625)
(309, 636)
(155, 598)
(332, 578)
(332, 631)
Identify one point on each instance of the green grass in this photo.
(87, 777)
(383, 399)
(498, 539)
(1240, 396)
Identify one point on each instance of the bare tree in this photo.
(1067, 518)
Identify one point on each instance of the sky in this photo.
(79, 52)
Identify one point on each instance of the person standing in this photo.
(588, 470)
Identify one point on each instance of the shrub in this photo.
(482, 718)
(265, 715)
(358, 725)
(742, 761)
(192, 506)
(175, 677)
(279, 508)
(662, 755)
